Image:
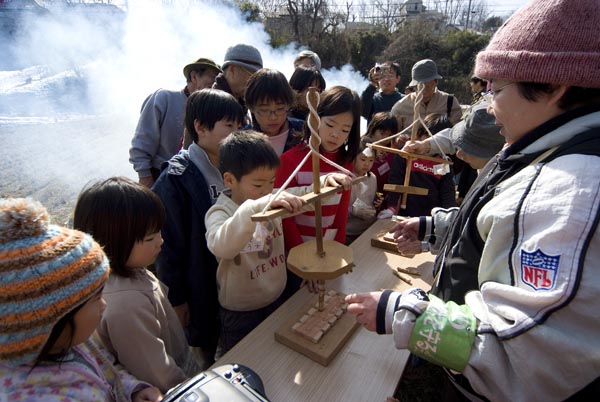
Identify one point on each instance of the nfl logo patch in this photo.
(538, 270)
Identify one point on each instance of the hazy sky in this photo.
(500, 7)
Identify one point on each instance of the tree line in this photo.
(369, 31)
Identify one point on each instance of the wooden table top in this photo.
(368, 366)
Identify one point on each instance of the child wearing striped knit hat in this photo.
(51, 281)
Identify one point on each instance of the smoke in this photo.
(73, 79)
(92, 62)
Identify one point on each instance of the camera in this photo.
(377, 67)
(230, 382)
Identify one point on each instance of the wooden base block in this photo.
(379, 241)
(328, 346)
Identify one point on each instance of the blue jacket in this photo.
(185, 264)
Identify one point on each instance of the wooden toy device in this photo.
(382, 239)
(322, 327)
(407, 189)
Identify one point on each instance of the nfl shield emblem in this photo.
(538, 270)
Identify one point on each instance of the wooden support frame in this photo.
(407, 155)
(310, 198)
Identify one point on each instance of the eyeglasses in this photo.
(267, 113)
(489, 95)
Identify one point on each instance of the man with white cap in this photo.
(241, 61)
(434, 101)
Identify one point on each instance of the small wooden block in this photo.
(403, 277)
(380, 241)
(328, 345)
(409, 270)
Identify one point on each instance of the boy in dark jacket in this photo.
(188, 186)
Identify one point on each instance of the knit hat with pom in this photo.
(45, 272)
(546, 41)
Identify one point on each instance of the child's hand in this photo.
(418, 147)
(150, 394)
(288, 201)
(378, 200)
(386, 213)
(338, 179)
(401, 140)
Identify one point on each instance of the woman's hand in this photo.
(406, 229)
(364, 306)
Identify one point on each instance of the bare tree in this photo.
(310, 18)
(466, 13)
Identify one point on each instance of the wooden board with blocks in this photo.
(319, 335)
(314, 324)
(384, 239)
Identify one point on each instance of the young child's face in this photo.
(144, 252)
(251, 186)
(363, 163)
(380, 134)
(302, 95)
(334, 130)
(271, 117)
(210, 140)
(86, 319)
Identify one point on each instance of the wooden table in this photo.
(368, 366)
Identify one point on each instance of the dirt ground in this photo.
(51, 160)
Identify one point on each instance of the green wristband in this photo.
(444, 334)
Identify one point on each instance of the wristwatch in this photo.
(425, 246)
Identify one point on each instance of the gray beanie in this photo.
(243, 55)
(477, 134)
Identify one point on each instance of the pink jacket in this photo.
(90, 376)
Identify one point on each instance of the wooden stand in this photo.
(316, 260)
(328, 347)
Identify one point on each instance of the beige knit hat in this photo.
(546, 41)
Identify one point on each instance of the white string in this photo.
(313, 151)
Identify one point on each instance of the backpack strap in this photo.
(449, 102)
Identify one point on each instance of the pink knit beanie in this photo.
(547, 41)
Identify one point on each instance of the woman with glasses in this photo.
(269, 98)
(513, 312)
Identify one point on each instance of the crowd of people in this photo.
(159, 278)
